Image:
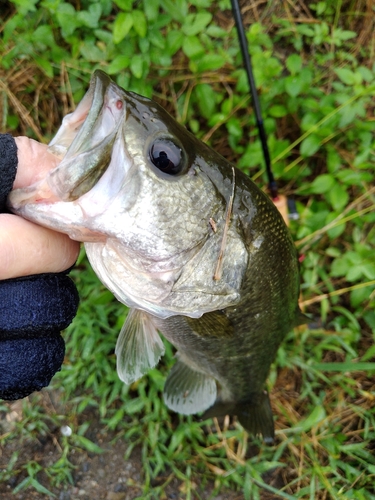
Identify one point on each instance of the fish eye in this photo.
(167, 156)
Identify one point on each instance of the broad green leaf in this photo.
(293, 85)
(44, 34)
(195, 23)
(253, 156)
(347, 116)
(360, 160)
(369, 270)
(336, 230)
(333, 252)
(215, 31)
(45, 65)
(310, 145)
(345, 34)
(122, 25)
(366, 73)
(161, 59)
(210, 62)
(206, 99)
(25, 6)
(136, 65)
(201, 3)
(122, 81)
(321, 7)
(174, 41)
(278, 111)
(90, 17)
(242, 86)
(334, 160)
(357, 298)
(227, 106)
(306, 78)
(124, 4)
(234, 127)
(309, 120)
(157, 39)
(303, 29)
(294, 63)
(151, 8)
(346, 75)
(144, 46)
(192, 47)
(13, 121)
(265, 68)
(338, 197)
(322, 183)
(104, 35)
(139, 23)
(354, 273)
(17, 22)
(91, 52)
(67, 19)
(353, 177)
(194, 126)
(178, 9)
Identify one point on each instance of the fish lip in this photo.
(87, 112)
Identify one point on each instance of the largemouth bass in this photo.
(195, 249)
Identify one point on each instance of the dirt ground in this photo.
(106, 476)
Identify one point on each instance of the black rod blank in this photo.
(258, 114)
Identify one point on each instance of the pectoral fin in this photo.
(139, 346)
(212, 324)
(254, 415)
(187, 391)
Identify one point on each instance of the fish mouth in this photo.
(78, 125)
(83, 143)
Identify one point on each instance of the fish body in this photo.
(188, 242)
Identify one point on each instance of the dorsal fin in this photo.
(139, 346)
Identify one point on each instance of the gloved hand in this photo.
(37, 298)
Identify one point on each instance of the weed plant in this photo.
(314, 66)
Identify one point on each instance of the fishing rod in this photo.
(272, 186)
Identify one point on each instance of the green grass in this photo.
(315, 71)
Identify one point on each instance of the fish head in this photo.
(142, 193)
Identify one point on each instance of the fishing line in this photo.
(272, 186)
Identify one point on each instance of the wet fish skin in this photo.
(240, 360)
(156, 240)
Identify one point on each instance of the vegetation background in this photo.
(90, 436)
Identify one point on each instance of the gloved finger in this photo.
(26, 248)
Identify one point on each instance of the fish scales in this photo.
(194, 248)
(240, 362)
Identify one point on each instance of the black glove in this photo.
(33, 310)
